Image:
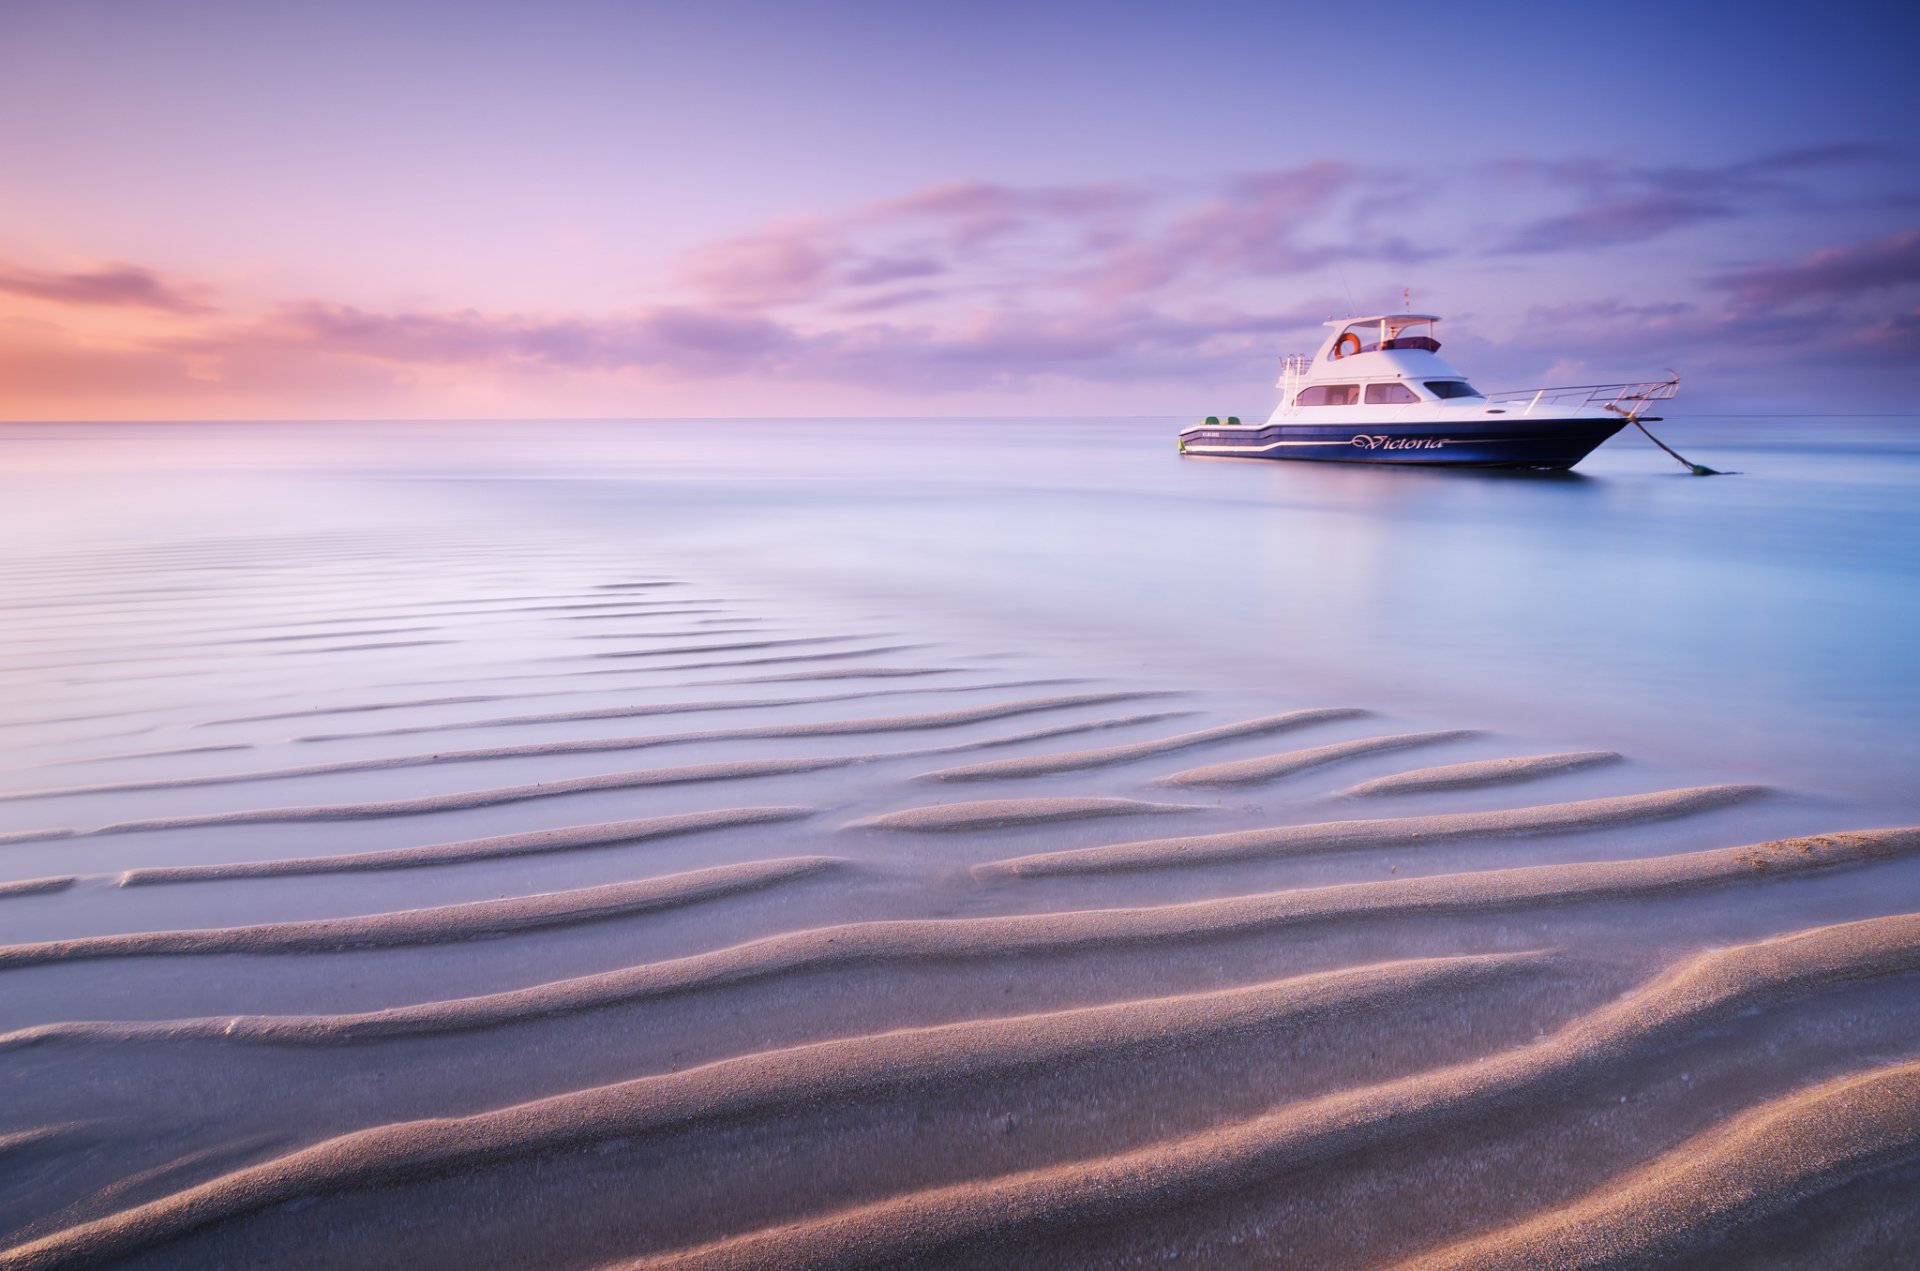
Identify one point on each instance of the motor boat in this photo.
(1378, 391)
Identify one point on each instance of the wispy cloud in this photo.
(1010, 349)
(115, 285)
(1097, 243)
(1896, 337)
(1616, 221)
(1622, 204)
(778, 266)
(1893, 261)
(998, 288)
(681, 339)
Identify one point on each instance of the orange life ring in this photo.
(1341, 344)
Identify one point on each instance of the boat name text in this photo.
(1365, 441)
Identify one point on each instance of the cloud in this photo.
(1895, 338)
(891, 269)
(1617, 221)
(880, 302)
(681, 339)
(1634, 204)
(1588, 313)
(970, 226)
(990, 287)
(1007, 349)
(1100, 242)
(1893, 261)
(1268, 225)
(779, 266)
(976, 212)
(114, 285)
(1021, 349)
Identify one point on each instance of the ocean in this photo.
(967, 842)
(1762, 619)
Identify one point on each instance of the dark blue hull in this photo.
(1475, 443)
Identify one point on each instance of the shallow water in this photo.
(1763, 620)
(242, 645)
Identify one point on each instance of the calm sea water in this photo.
(1760, 624)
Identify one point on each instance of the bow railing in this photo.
(1622, 399)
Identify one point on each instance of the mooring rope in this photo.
(1697, 469)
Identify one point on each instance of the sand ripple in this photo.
(1207, 849)
(977, 1052)
(426, 805)
(33, 836)
(34, 886)
(1484, 772)
(732, 770)
(947, 1069)
(1241, 772)
(927, 939)
(430, 926)
(1073, 761)
(600, 745)
(1763, 1161)
(998, 813)
(1194, 1168)
(675, 708)
(560, 839)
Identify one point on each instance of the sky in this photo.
(226, 209)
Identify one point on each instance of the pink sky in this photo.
(451, 211)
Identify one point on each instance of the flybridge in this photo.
(1386, 331)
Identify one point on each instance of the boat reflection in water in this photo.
(1379, 392)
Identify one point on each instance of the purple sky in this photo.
(251, 210)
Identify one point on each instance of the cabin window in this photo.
(1390, 395)
(1451, 388)
(1328, 395)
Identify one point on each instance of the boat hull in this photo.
(1518, 442)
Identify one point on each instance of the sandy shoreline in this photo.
(421, 930)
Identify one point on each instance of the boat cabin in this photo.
(1389, 359)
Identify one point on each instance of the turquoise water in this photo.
(1759, 624)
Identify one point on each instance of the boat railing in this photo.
(1622, 399)
(1293, 373)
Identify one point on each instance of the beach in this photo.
(833, 843)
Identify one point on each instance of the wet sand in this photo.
(416, 954)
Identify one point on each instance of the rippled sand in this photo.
(480, 899)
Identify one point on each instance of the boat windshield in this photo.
(1452, 388)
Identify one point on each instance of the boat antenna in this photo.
(1352, 309)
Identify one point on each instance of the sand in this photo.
(34, 886)
(927, 720)
(675, 708)
(1213, 849)
(1078, 760)
(1764, 1161)
(1184, 1171)
(962, 939)
(1243, 772)
(427, 926)
(978, 1053)
(576, 999)
(984, 814)
(1483, 772)
(569, 838)
(688, 774)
